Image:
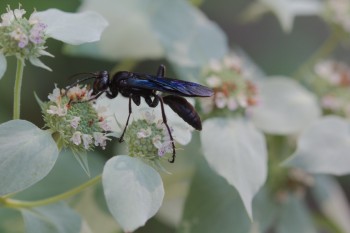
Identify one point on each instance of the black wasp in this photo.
(136, 85)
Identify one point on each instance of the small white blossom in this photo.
(105, 125)
(75, 122)
(144, 133)
(220, 100)
(57, 110)
(100, 139)
(76, 138)
(87, 140)
(31, 34)
(55, 96)
(214, 81)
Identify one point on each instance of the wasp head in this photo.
(101, 82)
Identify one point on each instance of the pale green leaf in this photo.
(134, 191)
(157, 28)
(294, 217)
(285, 107)
(27, 155)
(3, 65)
(324, 147)
(236, 150)
(72, 28)
(55, 218)
(213, 205)
(332, 200)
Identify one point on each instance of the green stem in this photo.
(17, 91)
(324, 50)
(11, 203)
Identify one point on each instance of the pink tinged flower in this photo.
(23, 41)
(220, 100)
(232, 103)
(87, 140)
(105, 126)
(75, 122)
(57, 110)
(56, 95)
(331, 102)
(7, 18)
(215, 65)
(100, 139)
(148, 116)
(76, 138)
(18, 13)
(144, 133)
(214, 81)
(37, 33)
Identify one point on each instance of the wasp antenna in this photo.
(79, 81)
(77, 74)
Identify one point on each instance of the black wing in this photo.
(169, 85)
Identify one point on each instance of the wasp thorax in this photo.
(77, 124)
(148, 138)
(232, 91)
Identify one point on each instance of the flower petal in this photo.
(3, 65)
(236, 151)
(72, 28)
(324, 147)
(286, 107)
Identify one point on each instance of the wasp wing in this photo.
(169, 85)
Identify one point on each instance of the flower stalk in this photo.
(17, 89)
(12, 203)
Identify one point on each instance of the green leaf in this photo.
(213, 205)
(27, 155)
(294, 217)
(83, 161)
(323, 147)
(171, 28)
(3, 65)
(11, 221)
(188, 36)
(134, 191)
(241, 157)
(56, 218)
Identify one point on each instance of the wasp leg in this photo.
(127, 121)
(152, 103)
(160, 99)
(161, 71)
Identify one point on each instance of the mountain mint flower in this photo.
(146, 135)
(26, 38)
(76, 124)
(337, 12)
(242, 109)
(332, 85)
(232, 92)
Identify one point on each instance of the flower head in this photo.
(148, 139)
(337, 12)
(233, 92)
(79, 125)
(26, 38)
(332, 85)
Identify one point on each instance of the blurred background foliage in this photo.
(273, 50)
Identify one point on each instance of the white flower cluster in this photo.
(148, 136)
(22, 37)
(79, 123)
(333, 86)
(338, 12)
(232, 90)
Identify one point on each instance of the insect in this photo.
(136, 85)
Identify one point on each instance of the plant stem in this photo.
(325, 49)
(30, 204)
(17, 91)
